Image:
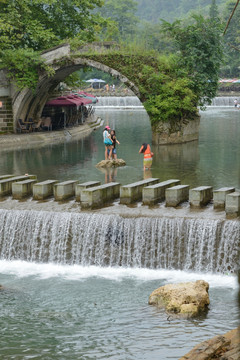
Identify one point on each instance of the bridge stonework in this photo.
(28, 104)
(6, 114)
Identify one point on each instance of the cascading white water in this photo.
(107, 240)
(224, 101)
(131, 102)
(127, 102)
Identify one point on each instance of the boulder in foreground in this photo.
(221, 347)
(185, 299)
(111, 163)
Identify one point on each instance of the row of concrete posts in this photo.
(92, 194)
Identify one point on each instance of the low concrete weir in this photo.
(91, 238)
(3, 177)
(219, 197)
(44, 189)
(150, 191)
(64, 190)
(176, 195)
(22, 189)
(232, 207)
(80, 187)
(6, 184)
(200, 196)
(97, 196)
(133, 192)
(154, 193)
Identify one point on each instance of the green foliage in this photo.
(30, 26)
(165, 88)
(171, 10)
(123, 14)
(24, 66)
(175, 102)
(200, 53)
(38, 25)
(169, 96)
(231, 67)
(213, 11)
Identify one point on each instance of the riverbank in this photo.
(38, 139)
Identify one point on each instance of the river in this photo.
(76, 286)
(213, 160)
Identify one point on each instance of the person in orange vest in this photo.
(147, 156)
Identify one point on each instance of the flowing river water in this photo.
(76, 285)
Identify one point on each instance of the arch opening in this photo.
(27, 104)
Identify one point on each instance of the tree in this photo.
(122, 12)
(37, 25)
(30, 26)
(200, 53)
(232, 41)
(213, 12)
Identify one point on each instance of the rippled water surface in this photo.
(213, 160)
(59, 312)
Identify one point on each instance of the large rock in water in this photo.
(110, 163)
(221, 347)
(184, 299)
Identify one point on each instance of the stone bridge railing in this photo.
(151, 191)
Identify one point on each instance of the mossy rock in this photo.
(111, 163)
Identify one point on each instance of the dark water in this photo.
(213, 160)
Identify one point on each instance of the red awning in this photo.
(71, 100)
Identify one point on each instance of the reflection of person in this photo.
(114, 141)
(107, 142)
(110, 173)
(147, 156)
(147, 174)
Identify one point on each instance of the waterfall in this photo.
(127, 102)
(224, 101)
(132, 102)
(202, 245)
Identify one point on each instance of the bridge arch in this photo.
(28, 104)
(146, 75)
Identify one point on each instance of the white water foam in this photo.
(79, 273)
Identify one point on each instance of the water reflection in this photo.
(147, 174)
(177, 161)
(109, 173)
(213, 160)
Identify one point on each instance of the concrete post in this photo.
(200, 196)
(64, 190)
(176, 194)
(22, 189)
(3, 177)
(155, 193)
(133, 192)
(232, 206)
(44, 189)
(97, 196)
(83, 186)
(6, 184)
(219, 197)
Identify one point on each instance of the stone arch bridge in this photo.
(103, 56)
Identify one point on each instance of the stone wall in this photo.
(6, 115)
(176, 133)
